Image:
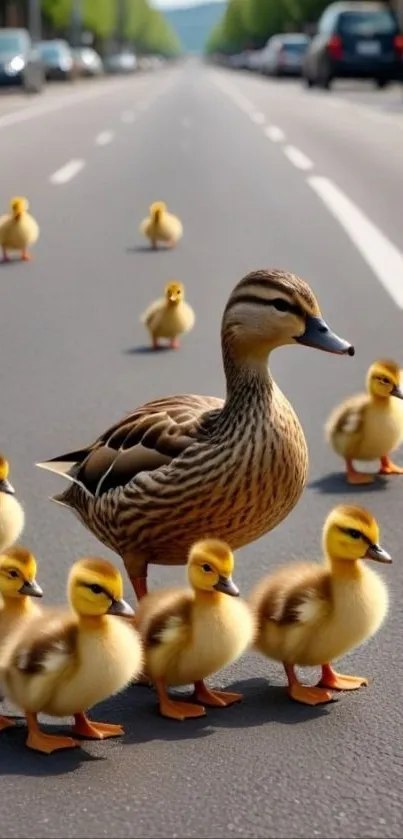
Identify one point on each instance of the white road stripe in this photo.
(104, 138)
(67, 172)
(274, 133)
(383, 257)
(298, 158)
(258, 117)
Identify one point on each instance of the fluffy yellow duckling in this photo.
(11, 513)
(169, 317)
(189, 634)
(161, 226)
(370, 426)
(308, 614)
(18, 230)
(17, 588)
(68, 661)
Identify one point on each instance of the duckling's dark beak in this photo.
(31, 589)
(227, 586)
(397, 391)
(120, 607)
(5, 486)
(378, 554)
(319, 335)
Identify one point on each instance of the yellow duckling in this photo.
(18, 230)
(308, 614)
(17, 588)
(11, 513)
(68, 661)
(169, 317)
(161, 226)
(189, 634)
(370, 426)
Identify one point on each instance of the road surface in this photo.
(262, 174)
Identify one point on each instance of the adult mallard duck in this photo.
(185, 467)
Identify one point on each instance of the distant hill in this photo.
(194, 24)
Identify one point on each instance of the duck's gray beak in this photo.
(227, 586)
(120, 607)
(319, 335)
(5, 486)
(397, 391)
(32, 589)
(378, 554)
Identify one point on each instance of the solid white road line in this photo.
(274, 133)
(67, 172)
(104, 138)
(383, 257)
(298, 158)
(258, 117)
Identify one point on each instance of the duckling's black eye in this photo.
(14, 574)
(96, 588)
(281, 305)
(355, 534)
(207, 568)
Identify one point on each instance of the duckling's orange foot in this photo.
(309, 696)
(215, 698)
(26, 257)
(6, 722)
(336, 681)
(174, 344)
(180, 710)
(95, 730)
(156, 345)
(389, 468)
(5, 257)
(48, 743)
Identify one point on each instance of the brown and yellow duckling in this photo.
(18, 587)
(12, 516)
(191, 633)
(184, 466)
(67, 661)
(161, 226)
(18, 230)
(370, 426)
(309, 614)
(169, 317)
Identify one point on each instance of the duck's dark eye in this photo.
(14, 574)
(96, 588)
(281, 305)
(207, 568)
(355, 534)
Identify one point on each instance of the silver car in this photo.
(283, 55)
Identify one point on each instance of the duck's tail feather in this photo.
(66, 464)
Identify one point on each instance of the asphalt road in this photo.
(202, 140)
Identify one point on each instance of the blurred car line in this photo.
(29, 66)
(352, 40)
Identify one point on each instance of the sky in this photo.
(176, 4)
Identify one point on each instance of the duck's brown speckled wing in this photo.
(143, 441)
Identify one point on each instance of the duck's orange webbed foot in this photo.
(336, 681)
(140, 586)
(389, 468)
(357, 478)
(174, 344)
(45, 743)
(84, 727)
(302, 693)
(26, 256)
(173, 709)
(6, 722)
(5, 257)
(215, 698)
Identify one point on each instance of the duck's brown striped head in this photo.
(269, 309)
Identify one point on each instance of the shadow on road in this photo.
(146, 349)
(17, 759)
(336, 483)
(147, 249)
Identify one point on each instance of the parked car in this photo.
(20, 61)
(122, 62)
(283, 55)
(253, 60)
(58, 60)
(88, 62)
(355, 40)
